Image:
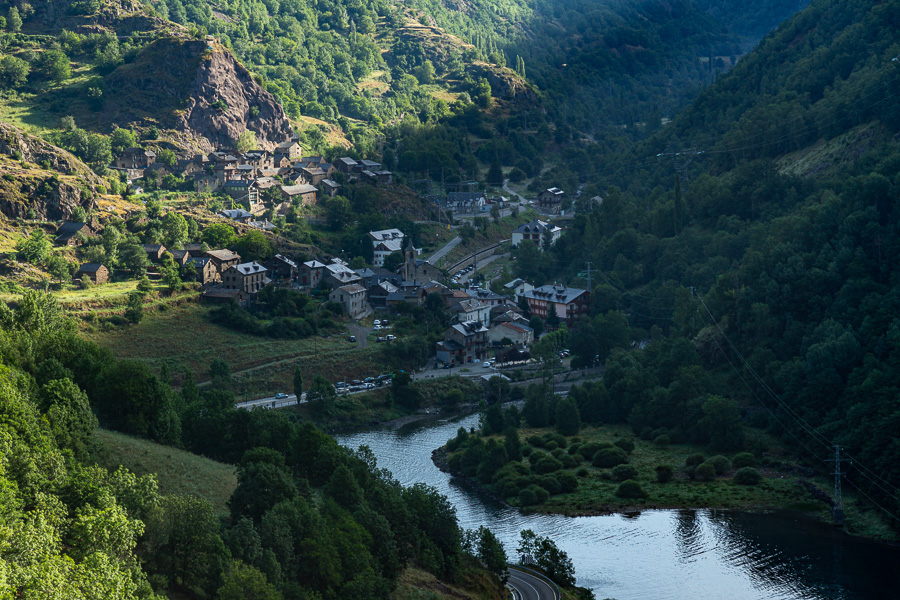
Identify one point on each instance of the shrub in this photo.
(574, 448)
(527, 497)
(558, 453)
(664, 473)
(547, 465)
(705, 471)
(550, 483)
(567, 482)
(606, 458)
(747, 476)
(556, 437)
(591, 448)
(526, 450)
(582, 472)
(626, 445)
(721, 464)
(567, 461)
(694, 459)
(630, 489)
(551, 445)
(623, 472)
(535, 441)
(744, 459)
(662, 441)
(540, 493)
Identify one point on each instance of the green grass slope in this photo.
(177, 471)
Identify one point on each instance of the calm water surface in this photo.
(663, 554)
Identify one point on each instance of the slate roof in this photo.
(89, 267)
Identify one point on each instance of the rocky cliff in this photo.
(200, 91)
(40, 180)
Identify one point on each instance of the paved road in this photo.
(530, 587)
(443, 251)
(361, 333)
(512, 193)
(272, 402)
(482, 263)
(474, 370)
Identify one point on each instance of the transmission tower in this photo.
(837, 512)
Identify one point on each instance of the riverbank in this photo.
(542, 481)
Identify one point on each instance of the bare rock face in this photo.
(39, 178)
(14, 141)
(222, 78)
(198, 89)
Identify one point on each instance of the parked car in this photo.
(280, 395)
(486, 365)
(369, 380)
(390, 337)
(380, 339)
(376, 322)
(355, 382)
(377, 328)
(369, 386)
(340, 385)
(352, 338)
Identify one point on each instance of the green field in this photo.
(186, 339)
(177, 471)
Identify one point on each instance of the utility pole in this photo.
(589, 269)
(837, 512)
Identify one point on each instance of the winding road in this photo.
(526, 586)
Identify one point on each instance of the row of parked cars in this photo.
(369, 383)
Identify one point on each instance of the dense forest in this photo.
(309, 519)
(759, 265)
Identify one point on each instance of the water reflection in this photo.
(675, 554)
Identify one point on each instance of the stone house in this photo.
(154, 252)
(70, 233)
(242, 190)
(282, 268)
(302, 193)
(135, 158)
(352, 297)
(311, 273)
(329, 187)
(287, 150)
(205, 268)
(96, 272)
(223, 259)
(346, 164)
(249, 277)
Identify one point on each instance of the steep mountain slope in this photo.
(40, 180)
(766, 271)
(200, 91)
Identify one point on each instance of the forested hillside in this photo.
(308, 520)
(764, 272)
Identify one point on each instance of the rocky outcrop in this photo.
(46, 198)
(504, 82)
(199, 90)
(40, 180)
(15, 142)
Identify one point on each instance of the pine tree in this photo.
(495, 173)
(298, 382)
(679, 206)
(568, 421)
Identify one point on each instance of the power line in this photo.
(806, 426)
(869, 498)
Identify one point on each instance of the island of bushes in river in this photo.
(605, 468)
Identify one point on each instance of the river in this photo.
(662, 554)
